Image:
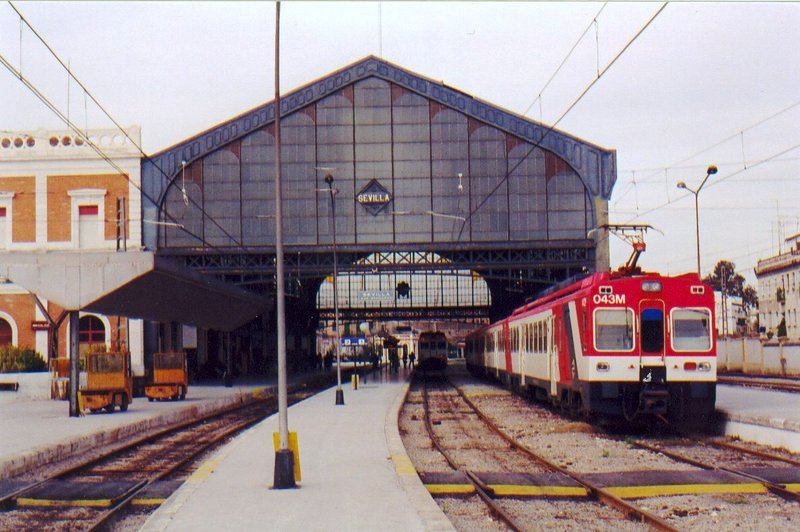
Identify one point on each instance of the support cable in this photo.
(118, 126)
(550, 129)
(50, 105)
(720, 180)
(563, 61)
(741, 132)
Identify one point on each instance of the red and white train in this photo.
(616, 344)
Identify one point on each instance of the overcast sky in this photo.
(706, 83)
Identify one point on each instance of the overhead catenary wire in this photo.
(675, 165)
(85, 135)
(716, 182)
(563, 62)
(552, 127)
(50, 105)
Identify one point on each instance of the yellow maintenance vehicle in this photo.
(109, 382)
(170, 377)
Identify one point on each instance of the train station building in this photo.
(57, 195)
(431, 203)
(779, 292)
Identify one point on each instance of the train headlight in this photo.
(603, 366)
(697, 366)
(651, 286)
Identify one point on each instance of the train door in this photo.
(652, 332)
(552, 356)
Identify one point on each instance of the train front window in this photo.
(691, 330)
(613, 329)
(652, 330)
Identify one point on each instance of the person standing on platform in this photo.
(411, 359)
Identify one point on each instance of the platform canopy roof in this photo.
(136, 284)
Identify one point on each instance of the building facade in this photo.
(57, 194)
(779, 292)
(732, 318)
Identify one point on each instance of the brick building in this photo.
(56, 194)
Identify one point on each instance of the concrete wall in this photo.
(754, 357)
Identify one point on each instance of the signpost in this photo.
(353, 341)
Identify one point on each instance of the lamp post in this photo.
(709, 172)
(339, 392)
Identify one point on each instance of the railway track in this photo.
(778, 384)
(693, 483)
(767, 471)
(92, 495)
(518, 519)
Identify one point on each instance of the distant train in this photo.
(618, 344)
(432, 351)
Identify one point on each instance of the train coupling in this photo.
(653, 402)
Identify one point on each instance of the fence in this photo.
(753, 356)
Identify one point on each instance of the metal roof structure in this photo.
(596, 166)
(136, 284)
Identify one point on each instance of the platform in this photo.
(37, 430)
(764, 416)
(355, 473)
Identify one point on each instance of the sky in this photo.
(704, 83)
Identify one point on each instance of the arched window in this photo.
(6, 333)
(92, 331)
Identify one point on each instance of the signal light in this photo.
(603, 366)
(690, 366)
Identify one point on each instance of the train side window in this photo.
(691, 330)
(613, 329)
(545, 332)
(539, 337)
(652, 330)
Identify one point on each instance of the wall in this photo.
(754, 357)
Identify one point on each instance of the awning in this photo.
(136, 284)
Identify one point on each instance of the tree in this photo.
(725, 279)
(749, 297)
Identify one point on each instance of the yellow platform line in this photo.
(93, 503)
(793, 487)
(151, 501)
(402, 465)
(204, 471)
(450, 489)
(509, 490)
(626, 492)
(632, 492)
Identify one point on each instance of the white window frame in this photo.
(86, 196)
(704, 310)
(630, 314)
(6, 201)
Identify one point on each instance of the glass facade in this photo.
(423, 289)
(416, 148)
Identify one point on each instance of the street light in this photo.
(709, 172)
(339, 392)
